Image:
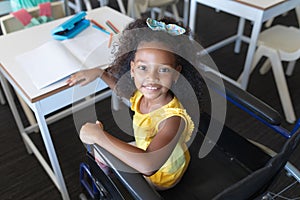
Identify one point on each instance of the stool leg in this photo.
(265, 67)
(290, 68)
(269, 23)
(282, 87)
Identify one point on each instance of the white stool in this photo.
(279, 43)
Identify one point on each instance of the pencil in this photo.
(97, 24)
(104, 31)
(110, 40)
(112, 27)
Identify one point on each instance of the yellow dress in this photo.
(145, 128)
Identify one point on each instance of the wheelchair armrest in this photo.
(244, 100)
(134, 182)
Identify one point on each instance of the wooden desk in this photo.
(246, 10)
(52, 98)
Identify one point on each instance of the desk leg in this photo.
(251, 50)
(14, 110)
(51, 152)
(240, 33)
(193, 9)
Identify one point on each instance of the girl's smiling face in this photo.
(154, 70)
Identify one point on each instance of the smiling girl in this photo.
(161, 125)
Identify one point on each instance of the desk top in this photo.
(16, 43)
(261, 4)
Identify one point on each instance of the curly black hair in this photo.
(182, 46)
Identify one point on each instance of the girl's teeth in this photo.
(151, 88)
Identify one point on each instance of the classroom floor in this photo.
(22, 177)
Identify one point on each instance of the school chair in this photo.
(137, 7)
(279, 43)
(235, 169)
(10, 24)
(19, 4)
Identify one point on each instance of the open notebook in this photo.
(56, 60)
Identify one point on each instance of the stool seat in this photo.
(284, 39)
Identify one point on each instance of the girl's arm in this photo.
(86, 76)
(147, 162)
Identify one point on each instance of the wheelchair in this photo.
(235, 169)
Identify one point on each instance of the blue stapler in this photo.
(71, 27)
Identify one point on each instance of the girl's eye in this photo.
(142, 67)
(165, 69)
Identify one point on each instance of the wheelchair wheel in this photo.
(102, 186)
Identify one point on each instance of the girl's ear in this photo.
(178, 69)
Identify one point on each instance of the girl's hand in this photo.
(91, 133)
(85, 76)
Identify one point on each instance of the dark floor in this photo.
(22, 177)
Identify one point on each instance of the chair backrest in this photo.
(10, 24)
(257, 182)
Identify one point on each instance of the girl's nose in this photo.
(152, 75)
